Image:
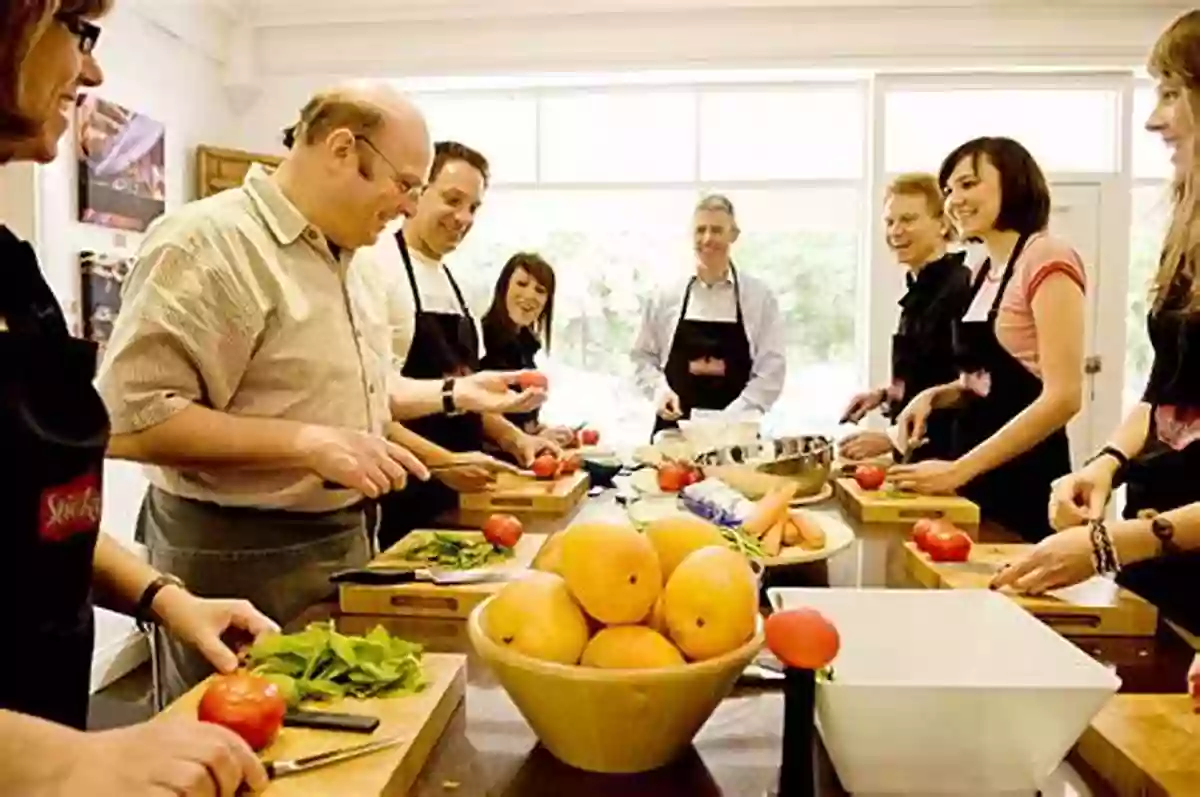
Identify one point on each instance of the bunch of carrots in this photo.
(775, 527)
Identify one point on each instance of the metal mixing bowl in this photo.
(804, 459)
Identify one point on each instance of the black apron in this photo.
(511, 350)
(922, 354)
(1163, 477)
(717, 341)
(443, 345)
(54, 429)
(1014, 494)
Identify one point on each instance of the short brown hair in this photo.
(920, 184)
(717, 203)
(333, 110)
(446, 151)
(1024, 195)
(21, 23)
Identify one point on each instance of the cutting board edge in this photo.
(406, 774)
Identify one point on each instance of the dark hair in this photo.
(497, 315)
(1024, 196)
(20, 25)
(446, 151)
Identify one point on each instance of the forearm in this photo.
(765, 385)
(414, 398)
(946, 396)
(1135, 542)
(118, 576)
(1130, 437)
(426, 450)
(501, 430)
(199, 437)
(32, 753)
(1046, 415)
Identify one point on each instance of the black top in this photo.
(923, 355)
(505, 351)
(1174, 333)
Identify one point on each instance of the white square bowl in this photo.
(948, 692)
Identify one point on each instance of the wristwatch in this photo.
(448, 406)
(142, 613)
(1165, 531)
(1115, 453)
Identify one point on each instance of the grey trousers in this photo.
(279, 561)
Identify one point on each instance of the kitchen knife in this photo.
(382, 576)
(285, 767)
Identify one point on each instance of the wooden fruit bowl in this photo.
(613, 721)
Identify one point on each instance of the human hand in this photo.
(912, 421)
(369, 463)
(865, 445)
(201, 622)
(861, 404)
(1081, 496)
(169, 756)
(525, 448)
(669, 408)
(932, 477)
(1060, 560)
(490, 392)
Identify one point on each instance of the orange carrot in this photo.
(770, 509)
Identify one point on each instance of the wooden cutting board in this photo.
(882, 507)
(424, 599)
(513, 493)
(419, 718)
(1145, 746)
(1130, 616)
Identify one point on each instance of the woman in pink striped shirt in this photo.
(1018, 348)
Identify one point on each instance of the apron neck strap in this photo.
(1009, 269)
(408, 267)
(737, 295)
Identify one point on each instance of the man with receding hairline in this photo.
(250, 366)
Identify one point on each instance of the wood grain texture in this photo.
(1145, 746)
(423, 599)
(1131, 616)
(218, 169)
(419, 718)
(876, 506)
(513, 493)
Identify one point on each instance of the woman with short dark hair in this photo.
(1018, 347)
(54, 430)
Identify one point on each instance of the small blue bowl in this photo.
(601, 473)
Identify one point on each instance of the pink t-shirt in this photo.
(1043, 256)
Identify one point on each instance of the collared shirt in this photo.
(383, 265)
(764, 329)
(237, 303)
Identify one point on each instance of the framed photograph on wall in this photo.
(122, 160)
(102, 276)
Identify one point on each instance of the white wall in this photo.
(149, 70)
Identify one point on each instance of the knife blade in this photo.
(384, 576)
(285, 767)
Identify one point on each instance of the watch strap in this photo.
(1164, 530)
(448, 405)
(142, 612)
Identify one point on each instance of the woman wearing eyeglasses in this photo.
(54, 431)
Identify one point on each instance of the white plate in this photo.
(838, 536)
(824, 494)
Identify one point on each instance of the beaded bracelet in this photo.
(1104, 553)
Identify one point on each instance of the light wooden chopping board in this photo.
(1145, 746)
(420, 719)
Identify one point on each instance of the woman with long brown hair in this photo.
(54, 432)
(1155, 549)
(518, 325)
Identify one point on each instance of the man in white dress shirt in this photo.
(715, 343)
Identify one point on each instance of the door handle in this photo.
(1093, 365)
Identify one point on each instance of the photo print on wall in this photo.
(122, 154)
(102, 276)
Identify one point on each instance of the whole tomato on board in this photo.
(545, 467)
(502, 530)
(569, 465)
(945, 543)
(250, 706)
(869, 477)
(921, 531)
(588, 437)
(672, 477)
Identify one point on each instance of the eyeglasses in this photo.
(87, 32)
(404, 185)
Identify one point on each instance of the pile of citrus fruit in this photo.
(605, 595)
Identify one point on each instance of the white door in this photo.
(1079, 214)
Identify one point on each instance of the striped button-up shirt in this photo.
(238, 304)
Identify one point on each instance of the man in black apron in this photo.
(445, 340)
(1007, 494)
(710, 362)
(939, 286)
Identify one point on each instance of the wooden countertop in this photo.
(1145, 746)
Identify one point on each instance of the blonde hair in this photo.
(924, 185)
(1176, 55)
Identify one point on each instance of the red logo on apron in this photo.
(71, 508)
(709, 366)
(979, 383)
(1178, 427)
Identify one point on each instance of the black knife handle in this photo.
(330, 721)
(370, 577)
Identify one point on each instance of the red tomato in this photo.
(246, 704)
(502, 530)
(545, 467)
(672, 477)
(921, 531)
(528, 379)
(802, 638)
(869, 477)
(588, 437)
(694, 475)
(948, 544)
(569, 465)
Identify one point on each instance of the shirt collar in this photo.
(284, 219)
(726, 280)
(932, 274)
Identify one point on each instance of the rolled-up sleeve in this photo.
(769, 368)
(647, 352)
(185, 334)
